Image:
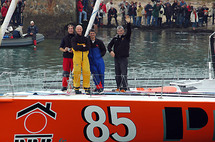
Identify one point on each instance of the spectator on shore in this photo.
(194, 18)
(167, 2)
(101, 13)
(18, 11)
(182, 3)
(4, 11)
(174, 8)
(168, 13)
(122, 12)
(109, 5)
(127, 5)
(8, 3)
(200, 16)
(22, 11)
(2, 1)
(112, 13)
(189, 8)
(184, 16)
(155, 14)
(144, 16)
(122, 2)
(205, 17)
(81, 11)
(132, 12)
(161, 13)
(85, 4)
(212, 12)
(139, 14)
(178, 10)
(148, 9)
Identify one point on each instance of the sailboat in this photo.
(46, 116)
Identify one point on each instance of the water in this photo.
(152, 53)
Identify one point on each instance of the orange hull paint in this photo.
(67, 120)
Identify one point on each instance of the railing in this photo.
(40, 81)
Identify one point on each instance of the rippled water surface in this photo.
(158, 51)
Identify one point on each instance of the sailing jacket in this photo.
(66, 42)
(32, 29)
(78, 42)
(80, 6)
(97, 49)
(121, 44)
(4, 11)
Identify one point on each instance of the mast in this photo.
(211, 55)
(7, 19)
(93, 16)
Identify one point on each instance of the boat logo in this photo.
(35, 121)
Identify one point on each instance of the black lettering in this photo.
(197, 118)
(49, 140)
(19, 140)
(46, 140)
(173, 123)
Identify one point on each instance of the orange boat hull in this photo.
(96, 119)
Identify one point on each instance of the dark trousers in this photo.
(109, 20)
(213, 19)
(159, 21)
(121, 65)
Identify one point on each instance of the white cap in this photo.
(31, 22)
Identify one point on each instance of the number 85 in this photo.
(114, 120)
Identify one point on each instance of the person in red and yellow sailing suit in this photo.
(81, 46)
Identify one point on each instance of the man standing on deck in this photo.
(66, 48)
(120, 53)
(97, 66)
(32, 31)
(81, 46)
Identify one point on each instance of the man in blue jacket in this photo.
(32, 31)
(97, 66)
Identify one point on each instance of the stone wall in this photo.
(50, 16)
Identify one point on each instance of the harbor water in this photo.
(157, 53)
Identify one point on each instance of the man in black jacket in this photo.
(65, 47)
(120, 53)
(112, 13)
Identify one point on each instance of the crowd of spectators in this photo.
(155, 13)
(17, 18)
